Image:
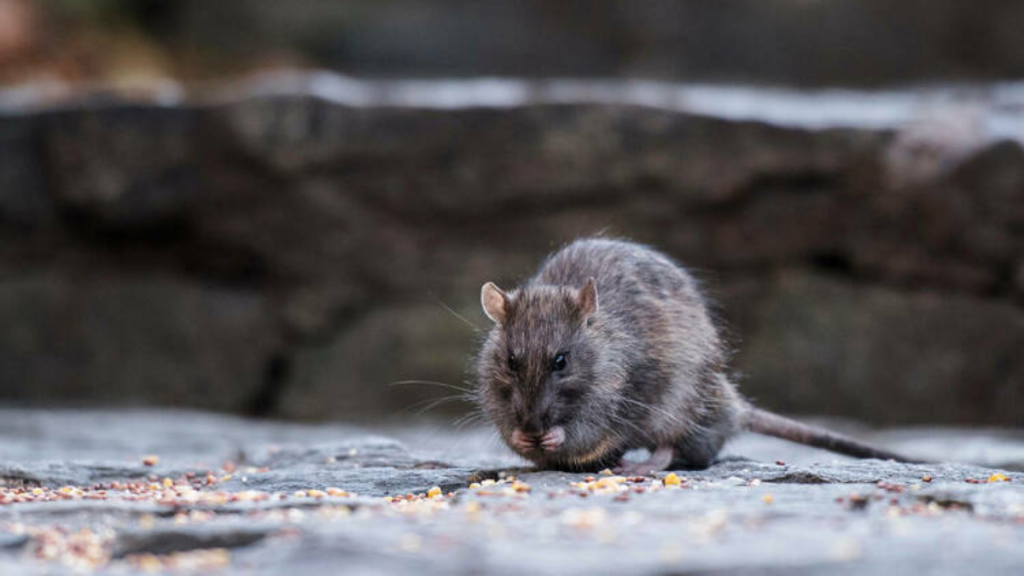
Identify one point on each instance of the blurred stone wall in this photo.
(294, 251)
(840, 42)
(788, 42)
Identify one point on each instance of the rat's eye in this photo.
(558, 364)
(513, 364)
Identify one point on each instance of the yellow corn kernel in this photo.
(520, 486)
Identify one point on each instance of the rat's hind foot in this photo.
(658, 461)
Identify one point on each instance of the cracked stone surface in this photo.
(765, 507)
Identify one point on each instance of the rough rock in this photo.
(943, 344)
(12, 541)
(766, 507)
(106, 336)
(292, 245)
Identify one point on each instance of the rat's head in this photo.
(543, 373)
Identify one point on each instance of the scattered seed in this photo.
(518, 486)
(858, 502)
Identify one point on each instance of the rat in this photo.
(611, 347)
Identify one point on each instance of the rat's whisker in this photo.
(431, 383)
(626, 422)
(671, 417)
(470, 418)
(439, 402)
(456, 314)
(432, 403)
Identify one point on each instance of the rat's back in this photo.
(639, 288)
(620, 268)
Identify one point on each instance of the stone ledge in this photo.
(331, 227)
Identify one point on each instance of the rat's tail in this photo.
(764, 422)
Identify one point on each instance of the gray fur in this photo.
(646, 370)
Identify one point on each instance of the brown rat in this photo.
(610, 347)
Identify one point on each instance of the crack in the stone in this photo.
(166, 541)
(800, 477)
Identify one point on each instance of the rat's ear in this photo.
(494, 301)
(587, 298)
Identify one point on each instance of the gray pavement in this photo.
(256, 497)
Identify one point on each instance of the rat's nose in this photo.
(532, 428)
(534, 424)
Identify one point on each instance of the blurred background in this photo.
(284, 209)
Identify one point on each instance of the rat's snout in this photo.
(535, 416)
(548, 441)
(534, 431)
(533, 423)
